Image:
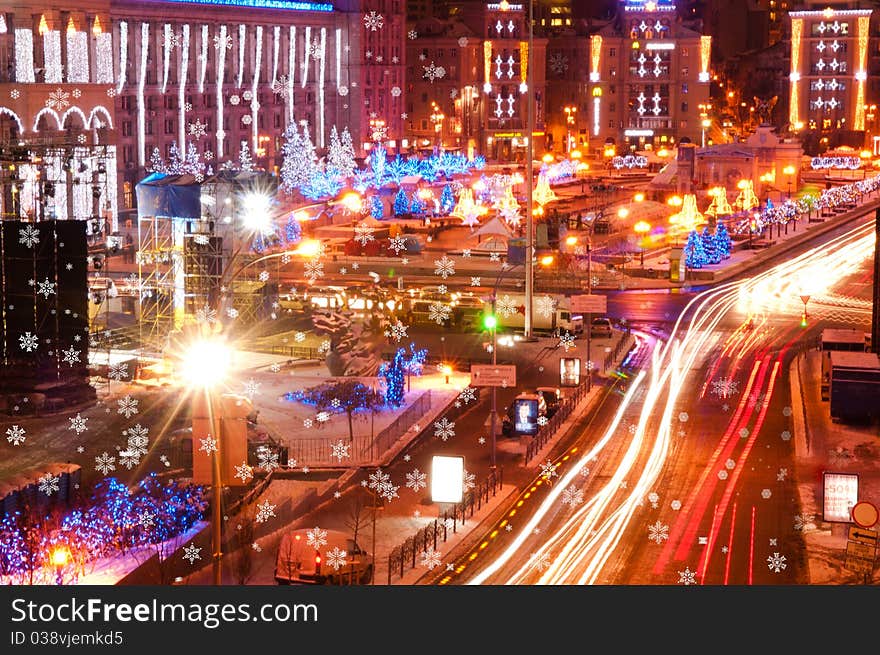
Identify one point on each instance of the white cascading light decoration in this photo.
(203, 58)
(77, 58)
(242, 37)
(104, 58)
(338, 44)
(276, 45)
(255, 104)
(52, 57)
(221, 67)
(58, 175)
(305, 66)
(168, 43)
(321, 87)
(181, 90)
(142, 80)
(24, 56)
(123, 56)
(291, 71)
(82, 192)
(111, 185)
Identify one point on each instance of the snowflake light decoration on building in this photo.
(59, 100)
(198, 129)
(433, 72)
(373, 21)
(558, 63)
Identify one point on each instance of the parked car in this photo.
(600, 327)
(299, 561)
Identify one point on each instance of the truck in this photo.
(855, 386)
(551, 313)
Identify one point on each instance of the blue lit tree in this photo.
(416, 208)
(722, 240)
(346, 396)
(394, 372)
(293, 230)
(377, 208)
(694, 255)
(447, 199)
(401, 203)
(708, 241)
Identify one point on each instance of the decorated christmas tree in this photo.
(447, 200)
(401, 203)
(157, 163)
(293, 230)
(708, 242)
(347, 164)
(694, 255)
(722, 240)
(340, 154)
(245, 161)
(377, 208)
(298, 154)
(416, 208)
(378, 162)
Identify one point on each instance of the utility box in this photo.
(855, 386)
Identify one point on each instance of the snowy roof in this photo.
(494, 226)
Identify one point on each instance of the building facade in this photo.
(649, 79)
(212, 73)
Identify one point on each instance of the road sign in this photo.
(863, 536)
(841, 493)
(855, 549)
(493, 375)
(592, 303)
(859, 565)
(864, 514)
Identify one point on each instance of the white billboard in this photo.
(840, 494)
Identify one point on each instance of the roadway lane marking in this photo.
(730, 545)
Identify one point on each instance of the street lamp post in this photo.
(437, 117)
(530, 179)
(570, 111)
(789, 172)
(642, 228)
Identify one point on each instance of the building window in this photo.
(127, 155)
(684, 52)
(684, 107)
(424, 123)
(683, 124)
(612, 107)
(127, 199)
(126, 128)
(612, 72)
(169, 126)
(685, 72)
(611, 124)
(612, 52)
(684, 88)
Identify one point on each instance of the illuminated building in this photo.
(649, 73)
(828, 90)
(214, 73)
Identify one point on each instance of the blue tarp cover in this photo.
(176, 196)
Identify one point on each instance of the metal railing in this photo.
(405, 556)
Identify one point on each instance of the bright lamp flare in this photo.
(206, 363)
(256, 212)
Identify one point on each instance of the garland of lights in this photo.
(629, 161)
(52, 57)
(24, 56)
(255, 104)
(104, 58)
(291, 71)
(276, 45)
(323, 52)
(242, 37)
(168, 43)
(77, 58)
(338, 43)
(203, 59)
(181, 95)
(142, 79)
(305, 66)
(221, 67)
(846, 163)
(123, 55)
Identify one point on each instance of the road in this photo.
(689, 474)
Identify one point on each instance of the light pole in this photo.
(789, 172)
(205, 364)
(437, 117)
(530, 179)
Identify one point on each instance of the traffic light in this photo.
(803, 320)
(490, 321)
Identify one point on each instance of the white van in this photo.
(316, 556)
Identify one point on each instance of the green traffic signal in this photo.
(490, 321)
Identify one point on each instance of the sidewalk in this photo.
(823, 445)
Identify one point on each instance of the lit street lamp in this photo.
(60, 557)
(642, 228)
(437, 118)
(570, 111)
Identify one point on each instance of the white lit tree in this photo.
(340, 154)
(245, 161)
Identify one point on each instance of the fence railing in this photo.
(405, 556)
(612, 357)
(363, 449)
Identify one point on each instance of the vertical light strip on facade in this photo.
(24, 56)
(52, 57)
(255, 104)
(291, 72)
(142, 80)
(338, 43)
(595, 57)
(77, 57)
(181, 89)
(321, 87)
(305, 67)
(221, 67)
(705, 57)
(523, 63)
(104, 58)
(276, 45)
(123, 56)
(242, 38)
(203, 59)
(861, 71)
(487, 66)
(597, 101)
(168, 43)
(797, 27)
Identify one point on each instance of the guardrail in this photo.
(403, 557)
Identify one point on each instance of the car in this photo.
(552, 397)
(300, 561)
(600, 327)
